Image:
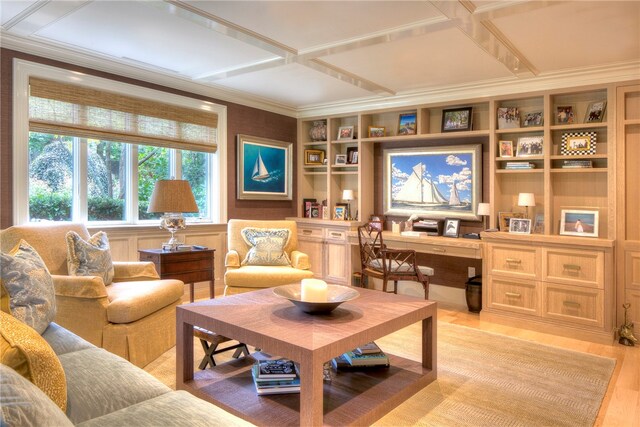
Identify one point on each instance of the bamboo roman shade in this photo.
(67, 109)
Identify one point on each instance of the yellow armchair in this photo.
(240, 278)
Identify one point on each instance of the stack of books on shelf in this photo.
(365, 356)
(519, 165)
(276, 377)
(577, 164)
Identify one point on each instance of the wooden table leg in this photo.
(184, 350)
(212, 293)
(191, 292)
(429, 341)
(311, 392)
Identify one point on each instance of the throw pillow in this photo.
(26, 280)
(26, 352)
(91, 257)
(267, 246)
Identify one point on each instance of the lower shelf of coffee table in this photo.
(353, 397)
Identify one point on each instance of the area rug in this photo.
(486, 379)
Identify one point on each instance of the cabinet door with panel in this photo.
(311, 242)
(336, 251)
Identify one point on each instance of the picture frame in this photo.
(564, 115)
(457, 119)
(352, 155)
(530, 146)
(508, 118)
(455, 191)
(325, 212)
(314, 157)
(315, 210)
(595, 112)
(264, 168)
(504, 218)
(376, 222)
(520, 226)
(534, 118)
(578, 143)
(538, 226)
(339, 212)
(451, 227)
(341, 159)
(345, 132)
(306, 207)
(579, 222)
(505, 148)
(407, 124)
(376, 131)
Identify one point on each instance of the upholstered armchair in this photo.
(133, 317)
(244, 274)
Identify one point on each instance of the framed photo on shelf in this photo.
(339, 212)
(264, 169)
(595, 112)
(451, 227)
(457, 119)
(315, 210)
(407, 124)
(564, 115)
(578, 143)
(579, 222)
(505, 148)
(325, 212)
(529, 146)
(313, 157)
(508, 118)
(535, 118)
(352, 155)
(538, 226)
(341, 159)
(520, 226)
(376, 131)
(345, 132)
(306, 207)
(504, 218)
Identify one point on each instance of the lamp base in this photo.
(170, 246)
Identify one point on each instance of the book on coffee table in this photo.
(368, 348)
(277, 369)
(374, 359)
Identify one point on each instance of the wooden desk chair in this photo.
(380, 262)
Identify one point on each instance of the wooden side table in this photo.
(196, 265)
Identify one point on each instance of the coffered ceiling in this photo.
(302, 56)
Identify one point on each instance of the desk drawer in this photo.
(514, 261)
(305, 232)
(520, 296)
(572, 267)
(441, 250)
(336, 235)
(186, 265)
(574, 304)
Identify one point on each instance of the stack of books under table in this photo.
(365, 356)
(276, 376)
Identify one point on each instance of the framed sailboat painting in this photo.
(264, 168)
(433, 182)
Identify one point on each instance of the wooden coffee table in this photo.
(274, 324)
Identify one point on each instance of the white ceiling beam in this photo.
(41, 14)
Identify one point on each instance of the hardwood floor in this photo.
(621, 404)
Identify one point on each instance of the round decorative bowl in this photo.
(336, 295)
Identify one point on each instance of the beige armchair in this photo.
(240, 278)
(133, 317)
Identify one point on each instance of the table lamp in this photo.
(173, 197)
(347, 196)
(484, 210)
(526, 199)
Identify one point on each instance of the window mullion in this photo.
(80, 201)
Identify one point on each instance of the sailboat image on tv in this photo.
(260, 172)
(420, 190)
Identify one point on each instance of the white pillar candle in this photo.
(313, 290)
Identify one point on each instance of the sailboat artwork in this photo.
(433, 182)
(264, 169)
(260, 172)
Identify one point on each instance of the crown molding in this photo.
(137, 71)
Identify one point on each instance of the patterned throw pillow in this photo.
(89, 258)
(25, 351)
(26, 280)
(267, 246)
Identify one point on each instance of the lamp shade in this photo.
(172, 195)
(484, 209)
(526, 199)
(347, 195)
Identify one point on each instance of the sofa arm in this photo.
(232, 259)
(300, 260)
(87, 287)
(134, 271)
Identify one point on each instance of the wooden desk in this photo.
(196, 265)
(264, 320)
(437, 245)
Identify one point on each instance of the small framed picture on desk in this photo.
(451, 227)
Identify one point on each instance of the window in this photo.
(99, 163)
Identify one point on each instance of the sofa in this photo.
(242, 277)
(133, 317)
(102, 389)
